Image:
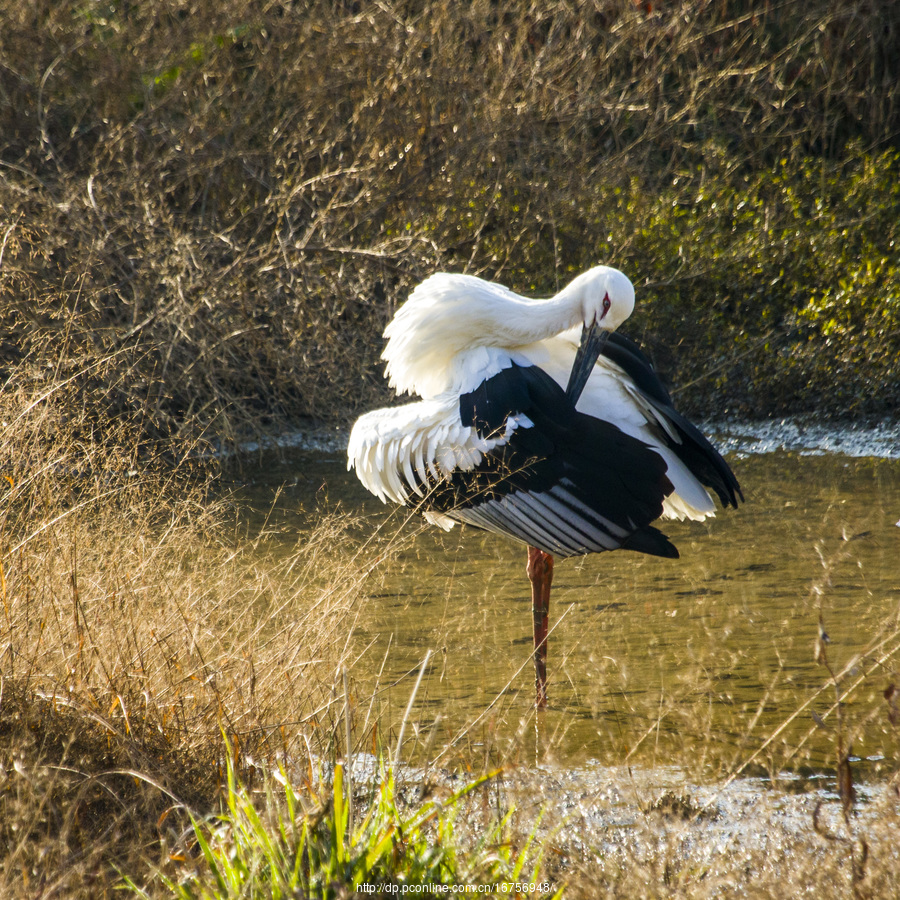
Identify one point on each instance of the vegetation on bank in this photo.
(172, 710)
(209, 210)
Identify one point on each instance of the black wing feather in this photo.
(694, 449)
(569, 484)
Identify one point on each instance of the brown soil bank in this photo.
(210, 208)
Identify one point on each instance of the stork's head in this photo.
(607, 297)
(607, 300)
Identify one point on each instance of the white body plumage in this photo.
(454, 333)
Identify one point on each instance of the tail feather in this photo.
(652, 541)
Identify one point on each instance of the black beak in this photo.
(593, 339)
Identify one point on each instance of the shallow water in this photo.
(707, 662)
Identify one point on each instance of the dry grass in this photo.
(137, 630)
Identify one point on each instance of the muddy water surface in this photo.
(707, 662)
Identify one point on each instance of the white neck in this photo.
(448, 317)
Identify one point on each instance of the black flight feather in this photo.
(694, 450)
(566, 483)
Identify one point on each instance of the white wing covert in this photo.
(403, 452)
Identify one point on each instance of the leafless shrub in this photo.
(210, 209)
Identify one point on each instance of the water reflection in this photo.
(707, 660)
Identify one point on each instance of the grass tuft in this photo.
(279, 842)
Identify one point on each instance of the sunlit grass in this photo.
(156, 658)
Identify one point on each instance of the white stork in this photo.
(567, 443)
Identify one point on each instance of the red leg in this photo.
(540, 573)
